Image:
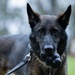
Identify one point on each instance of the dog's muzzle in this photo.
(51, 57)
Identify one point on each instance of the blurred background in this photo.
(14, 20)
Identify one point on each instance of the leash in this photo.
(26, 59)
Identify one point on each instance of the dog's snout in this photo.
(48, 49)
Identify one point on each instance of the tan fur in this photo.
(36, 67)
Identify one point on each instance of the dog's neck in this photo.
(37, 67)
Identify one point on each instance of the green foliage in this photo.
(71, 65)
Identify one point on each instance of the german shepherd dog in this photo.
(48, 41)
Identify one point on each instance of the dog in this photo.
(48, 41)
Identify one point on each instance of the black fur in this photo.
(48, 40)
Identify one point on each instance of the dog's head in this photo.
(48, 37)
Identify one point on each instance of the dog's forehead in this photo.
(48, 20)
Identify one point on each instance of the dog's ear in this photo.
(64, 18)
(32, 16)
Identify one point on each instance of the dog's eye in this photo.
(41, 30)
(54, 31)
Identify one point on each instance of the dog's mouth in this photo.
(53, 60)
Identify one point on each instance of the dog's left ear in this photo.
(63, 19)
(32, 16)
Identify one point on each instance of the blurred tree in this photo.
(3, 6)
(8, 14)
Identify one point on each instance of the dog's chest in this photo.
(36, 67)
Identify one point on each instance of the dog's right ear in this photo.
(32, 16)
(64, 18)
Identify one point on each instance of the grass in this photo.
(71, 65)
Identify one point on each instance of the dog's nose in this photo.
(48, 49)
